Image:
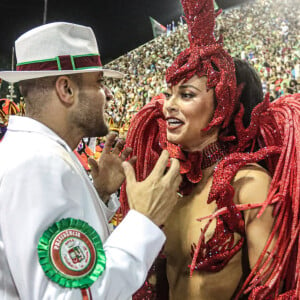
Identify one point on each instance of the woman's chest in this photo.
(183, 228)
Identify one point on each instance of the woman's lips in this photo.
(173, 123)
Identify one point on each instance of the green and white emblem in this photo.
(71, 253)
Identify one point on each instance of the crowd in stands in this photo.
(263, 32)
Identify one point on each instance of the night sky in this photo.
(119, 25)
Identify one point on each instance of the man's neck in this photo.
(70, 135)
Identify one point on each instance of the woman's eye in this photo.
(187, 95)
(167, 95)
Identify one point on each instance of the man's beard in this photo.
(95, 127)
(90, 121)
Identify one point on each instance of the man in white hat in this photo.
(54, 233)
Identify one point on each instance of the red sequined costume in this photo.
(274, 128)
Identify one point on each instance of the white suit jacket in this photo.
(42, 182)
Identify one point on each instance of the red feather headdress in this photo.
(206, 57)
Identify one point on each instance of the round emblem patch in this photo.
(71, 253)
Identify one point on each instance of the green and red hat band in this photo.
(64, 62)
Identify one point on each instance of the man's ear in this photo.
(65, 89)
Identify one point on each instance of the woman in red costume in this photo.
(235, 231)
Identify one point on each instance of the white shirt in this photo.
(42, 182)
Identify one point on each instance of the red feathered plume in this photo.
(278, 134)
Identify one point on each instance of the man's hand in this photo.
(108, 174)
(156, 196)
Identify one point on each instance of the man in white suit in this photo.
(55, 241)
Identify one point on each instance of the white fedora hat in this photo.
(56, 49)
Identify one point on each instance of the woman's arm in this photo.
(252, 186)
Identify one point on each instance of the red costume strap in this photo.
(86, 294)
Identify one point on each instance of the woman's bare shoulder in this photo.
(251, 184)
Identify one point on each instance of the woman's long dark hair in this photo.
(252, 93)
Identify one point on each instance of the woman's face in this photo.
(188, 108)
